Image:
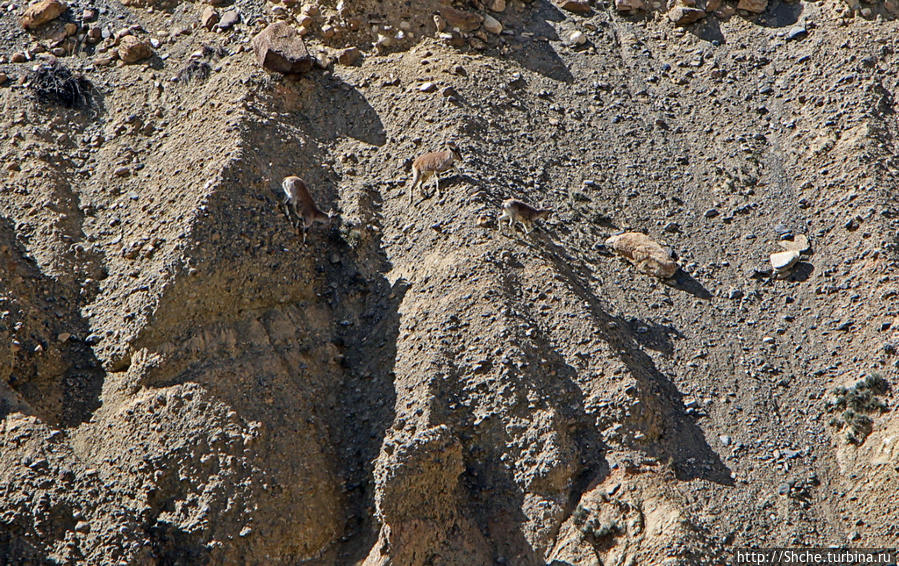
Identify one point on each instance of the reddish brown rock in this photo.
(628, 5)
(684, 15)
(576, 6)
(42, 12)
(754, 6)
(209, 17)
(460, 19)
(132, 49)
(279, 48)
(348, 56)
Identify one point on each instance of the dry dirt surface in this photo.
(182, 381)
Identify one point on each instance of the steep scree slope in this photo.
(185, 382)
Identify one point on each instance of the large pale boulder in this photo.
(42, 12)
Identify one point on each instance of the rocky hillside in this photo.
(184, 381)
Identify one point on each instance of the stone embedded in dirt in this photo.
(628, 5)
(460, 19)
(229, 20)
(577, 38)
(685, 15)
(754, 6)
(498, 5)
(799, 243)
(42, 12)
(279, 48)
(348, 56)
(88, 15)
(645, 253)
(796, 32)
(133, 50)
(83, 527)
(383, 43)
(94, 34)
(492, 25)
(783, 261)
(18, 57)
(576, 6)
(209, 17)
(121, 172)
(3, 79)
(427, 87)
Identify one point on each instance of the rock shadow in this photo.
(537, 54)
(53, 371)
(679, 439)
(780, 14)
(366, 307)
(685, 282)
(14, 549)
(708, 29)
(327, 108)
(546, 383)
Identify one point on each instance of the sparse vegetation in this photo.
(194, 70)
(54, 83)
(856, 402)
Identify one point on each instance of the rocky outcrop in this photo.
(40, 13)
(279, 48)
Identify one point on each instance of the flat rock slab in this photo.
(754, 6)
(628, 5)
(684, 15)
(799, 243)
(576, 6)
(280, 49)
(42, 12)
(782, 261)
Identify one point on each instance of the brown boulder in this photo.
(628, 5)
(684, 15)
(460, 19)
(132, 49)
(754, 6)
(348, 56)
(576, 6)
(42, 12)
(209, 17)
(279, 48)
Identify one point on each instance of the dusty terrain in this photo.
(184, 382)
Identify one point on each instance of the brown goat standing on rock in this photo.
(433, 163)
(296, 195)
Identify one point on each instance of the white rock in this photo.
(782, 261)
(427, 87)
(577, 38)
(492, 25)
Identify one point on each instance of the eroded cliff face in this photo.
(183, 381)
